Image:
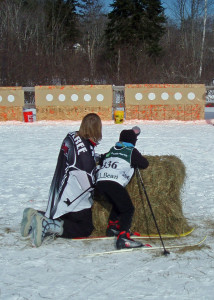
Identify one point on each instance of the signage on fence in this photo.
(164, 94)
(11, 103)
(165, 101)
(73, 102)
(74, 95)
(11, 96)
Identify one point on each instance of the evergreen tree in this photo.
(89, 8)
(92, 22)
(135, 23)
(62, 20)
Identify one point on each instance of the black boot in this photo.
(124, 241)
(113, 228)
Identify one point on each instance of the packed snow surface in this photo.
(59, 269)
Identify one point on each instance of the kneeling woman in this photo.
(69, 213)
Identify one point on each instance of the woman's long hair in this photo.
(91, 128)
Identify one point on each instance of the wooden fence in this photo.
(143, 102)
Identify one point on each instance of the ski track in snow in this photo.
(56, 270)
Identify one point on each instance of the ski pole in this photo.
(147, 198)
(80, 195)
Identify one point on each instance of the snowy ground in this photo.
(57, 270)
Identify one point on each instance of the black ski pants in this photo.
(77, 224)
(122, 207)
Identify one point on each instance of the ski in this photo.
(152, 236)
(147, 248)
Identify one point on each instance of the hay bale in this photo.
(163, 180)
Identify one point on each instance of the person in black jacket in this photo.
(69, 212)
(116, 170)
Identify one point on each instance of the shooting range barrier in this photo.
(163, 180)
(11, 103)
(184, 102)
(73, 102)
(135, 101)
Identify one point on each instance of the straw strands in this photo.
(163, 180)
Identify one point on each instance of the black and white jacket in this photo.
(74, 176)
